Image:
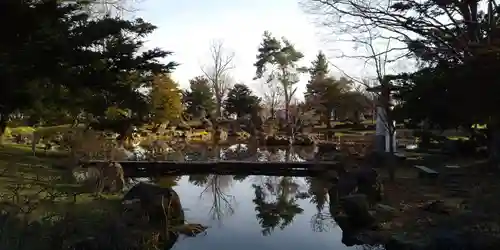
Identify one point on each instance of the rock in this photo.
(400, 243)
(352, 235)
(112, 178)
(356, 208)
(160, 204)
(304, 140)
(327, 152)
(369, 184)
(86, 175)
(105, 177)
(120, 154)
(381, 208)
(206, 123)
(220, 135)
(436, 206)
(331, 176)
(276, 140)
(347, 184)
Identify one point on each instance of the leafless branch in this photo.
(110, 7)
(217, 71)
(452, 26)
(222, 203)
(272, 95)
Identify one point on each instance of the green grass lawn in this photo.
(36, 174)
(33, 191)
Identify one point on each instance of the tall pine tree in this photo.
(319, 67)
(200, 96)
(323, 92)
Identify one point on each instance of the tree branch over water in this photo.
(222, 203)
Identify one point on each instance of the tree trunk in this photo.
(494, 145)
(392, 158)
(328, 117)
(287, 115)
(287, 108)
(218, 110)
(3, 126)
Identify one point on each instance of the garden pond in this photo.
(250, 212)
(257, 212)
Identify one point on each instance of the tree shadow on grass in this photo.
(44, 220)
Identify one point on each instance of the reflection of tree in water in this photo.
(280, 211)
(321, 221)
(198, 179)
(240, 177)
(166, 181)
(280, 154)
(215, 186)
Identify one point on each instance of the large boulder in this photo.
(161, 205)
(356, 208)
(113, 179)
(347, 184)
(360, 181)
(304, 140)
(276, 140)
(369, 184)
(104, 177)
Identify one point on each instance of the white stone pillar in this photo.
(382, 132)
(387, 141)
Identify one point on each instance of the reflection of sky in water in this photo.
(241, 230)
(227, 205)
(239, 152)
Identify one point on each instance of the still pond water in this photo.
(256, 212)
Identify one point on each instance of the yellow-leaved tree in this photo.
(166, 100)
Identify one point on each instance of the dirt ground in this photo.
(460, 200)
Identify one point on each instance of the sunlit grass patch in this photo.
(242, 135)
(24, 130)
(479, 126)
(456, 138)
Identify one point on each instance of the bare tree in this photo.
(379, 58)
(109, 7)
(272, 96)
(450, 29)
(217, 72)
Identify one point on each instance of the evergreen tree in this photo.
(200, 96)
(240, 100)
(279, 59)
(319, 67)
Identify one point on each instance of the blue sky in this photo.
(187, 28)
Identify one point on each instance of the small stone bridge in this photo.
(162, 168)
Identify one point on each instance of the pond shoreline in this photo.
(471, 210)
(422, 215)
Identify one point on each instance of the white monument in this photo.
(382, 132)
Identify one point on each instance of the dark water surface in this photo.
(256, 212)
